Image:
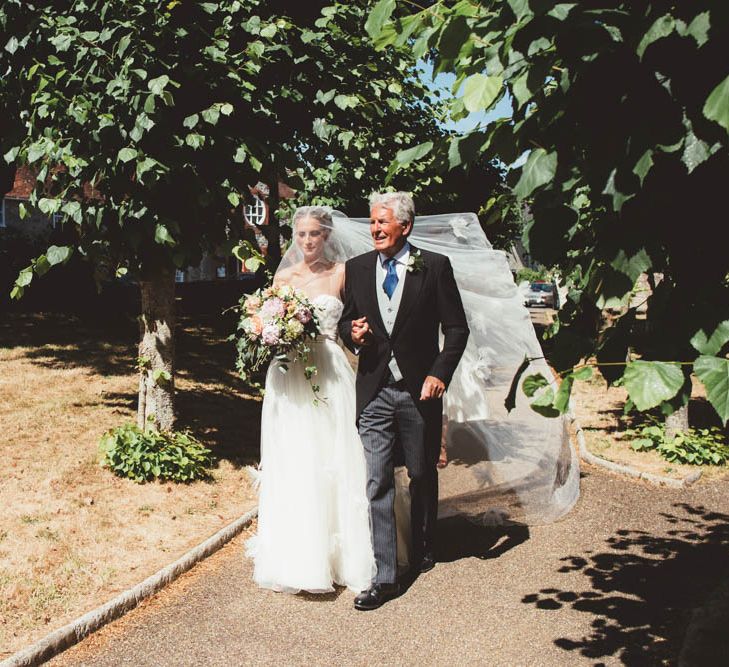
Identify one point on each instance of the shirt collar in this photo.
(401, 256)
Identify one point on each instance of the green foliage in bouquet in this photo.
(705, 446)
(143, 456)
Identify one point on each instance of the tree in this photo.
(147, 121)
(621, 110)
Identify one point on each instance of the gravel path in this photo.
(614, 583)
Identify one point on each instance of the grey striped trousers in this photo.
(392, 418)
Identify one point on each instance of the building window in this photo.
(179, 276)
(2, 212)
(220, 271)
(56, 220)
(255, 213)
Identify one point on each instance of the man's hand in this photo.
(432, 388)
(361, 331)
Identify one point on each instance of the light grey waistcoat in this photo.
(388, 311)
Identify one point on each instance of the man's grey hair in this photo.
(400, 203)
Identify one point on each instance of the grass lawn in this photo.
(71, 533)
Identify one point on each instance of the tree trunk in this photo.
(157, 351)
(273, 229)
(677, 422)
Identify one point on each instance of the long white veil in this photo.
(516, 467)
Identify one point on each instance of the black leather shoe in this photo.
(428, 563)
(375, 596)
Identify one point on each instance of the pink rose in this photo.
(303, 314)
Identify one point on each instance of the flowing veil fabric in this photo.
(516, 467)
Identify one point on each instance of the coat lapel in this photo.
(410, 293)
(371, 304)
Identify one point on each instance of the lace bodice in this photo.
(328, 309)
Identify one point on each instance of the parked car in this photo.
(541, 293)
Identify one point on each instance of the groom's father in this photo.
(398, 297)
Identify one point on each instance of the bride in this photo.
(313, 517)
(514, 467)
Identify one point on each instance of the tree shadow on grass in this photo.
(55, 341)
(643, 587)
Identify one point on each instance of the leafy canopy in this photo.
(621, 110)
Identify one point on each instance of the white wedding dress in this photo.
(313, 515)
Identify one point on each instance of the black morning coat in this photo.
(430, 301)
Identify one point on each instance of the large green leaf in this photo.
(711, 346)
(480, 91)
(409, 155)
(379, 15)
(649, 383)
(538, 170)
(714, 373)
(717, 104)
(58, 254)
(632, 265)
(662, 27)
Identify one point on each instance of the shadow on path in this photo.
(459, 538)
(643, 587)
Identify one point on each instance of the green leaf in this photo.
(240, 154)
(561, 401)
(714, 374)
(12, 45)
(544, 404)
(211, 115)
(345, 102)
(379, 15)
(157, 85)
(325, 98)
(643, 166)
(24, 277)
(58, 254)
(539, 169)
(717, 104)
(233, 198)
(195, 140)
(480, 91)
(649, 383)
(409, 155)
(226, 109)
(711, 346)
(163, 236)
(662, 27)
(584, 373)
(190, 121)
(698, 28)
(532, 383)
(127, 154)
(632, 266)
(520, 8)
(22, 211)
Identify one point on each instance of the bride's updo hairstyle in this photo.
(322, 215)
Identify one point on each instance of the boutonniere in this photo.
(415, 262)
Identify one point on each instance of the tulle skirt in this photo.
(313, 515)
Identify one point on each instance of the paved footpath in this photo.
(613, 583)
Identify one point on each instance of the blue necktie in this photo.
(390, 282)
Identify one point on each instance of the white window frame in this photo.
(2, 213)
(56, 219)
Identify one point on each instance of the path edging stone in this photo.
(621, 469)
(72, 633)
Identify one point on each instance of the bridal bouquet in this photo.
(276, 322)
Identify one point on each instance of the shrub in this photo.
(705, 446)
(146, 455)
